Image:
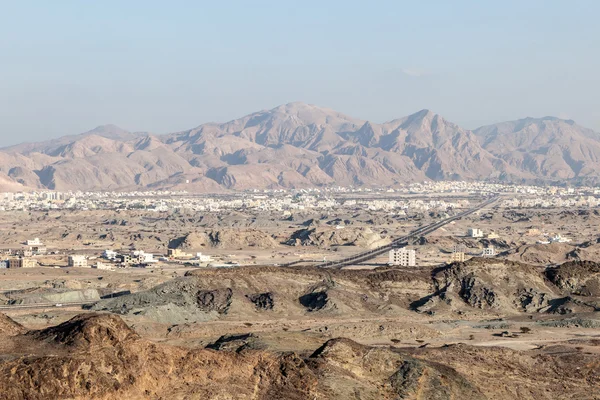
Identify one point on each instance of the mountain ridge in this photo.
(302, 145)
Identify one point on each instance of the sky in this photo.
(69, 66)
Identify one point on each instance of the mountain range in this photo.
(300, 145)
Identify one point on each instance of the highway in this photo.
(45, 305)
(403, 240)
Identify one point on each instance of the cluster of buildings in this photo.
(139, 258)
(555, 239)
(552, 201)
(23, 257)
(18, 262)
(131, 258)
(310, 198)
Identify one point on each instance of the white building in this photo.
(559, 239)
(34, 242)
(402, 257)
(475, 233)
(143, 257)
(488, 252)
(203, 257)
(104, 266)
(78, 261)
(109, 254)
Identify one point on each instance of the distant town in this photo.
(314, 198)
(427, 197)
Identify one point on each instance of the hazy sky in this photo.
(68, 66)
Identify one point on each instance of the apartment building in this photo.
(488, 252)
(475, 233)
(78, 261)
(34, 242)
(177, 253)
(458, 256)
(402, 257)
(104, 266)
(22, 262)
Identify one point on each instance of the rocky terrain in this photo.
(521, 325)
(97, 356)
(476, 287)
(300, 145)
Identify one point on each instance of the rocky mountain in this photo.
(544, 147)
(300, 145)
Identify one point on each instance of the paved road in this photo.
(403, 240)
(44, 305)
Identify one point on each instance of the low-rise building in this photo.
(141, 257)
(559, 239)
(109, 254)
(78, 261)
(488, 252)
(38, 249)
(34, 242)
(177, 253)
(125, 259)
(24, 253)
(104, 266)
(458, 256)
(402, 257)
(203, 257)
(475, 233)
(22, 262)
(3, 264)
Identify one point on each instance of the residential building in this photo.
(34, 242)
(475, 233)
(22, 262)
(488, 252)
(125, 259)
(402, 257)
(24, 253)
(559, 239)
(103, 266)
(203, 257)
(458, 256)
(109, 254)
(38, 250)
(177, 253)
(143, 258)
(78, 261)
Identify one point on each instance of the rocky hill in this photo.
(97, 356)
(301, 145)
(483, 287)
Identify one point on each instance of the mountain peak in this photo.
(299, 114)
(421, 119)
(291, 139)
(109, 131)
(298, 107)
(424, 113)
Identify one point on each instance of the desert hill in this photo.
(301, 145)
(97, 356)
(476, 287)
